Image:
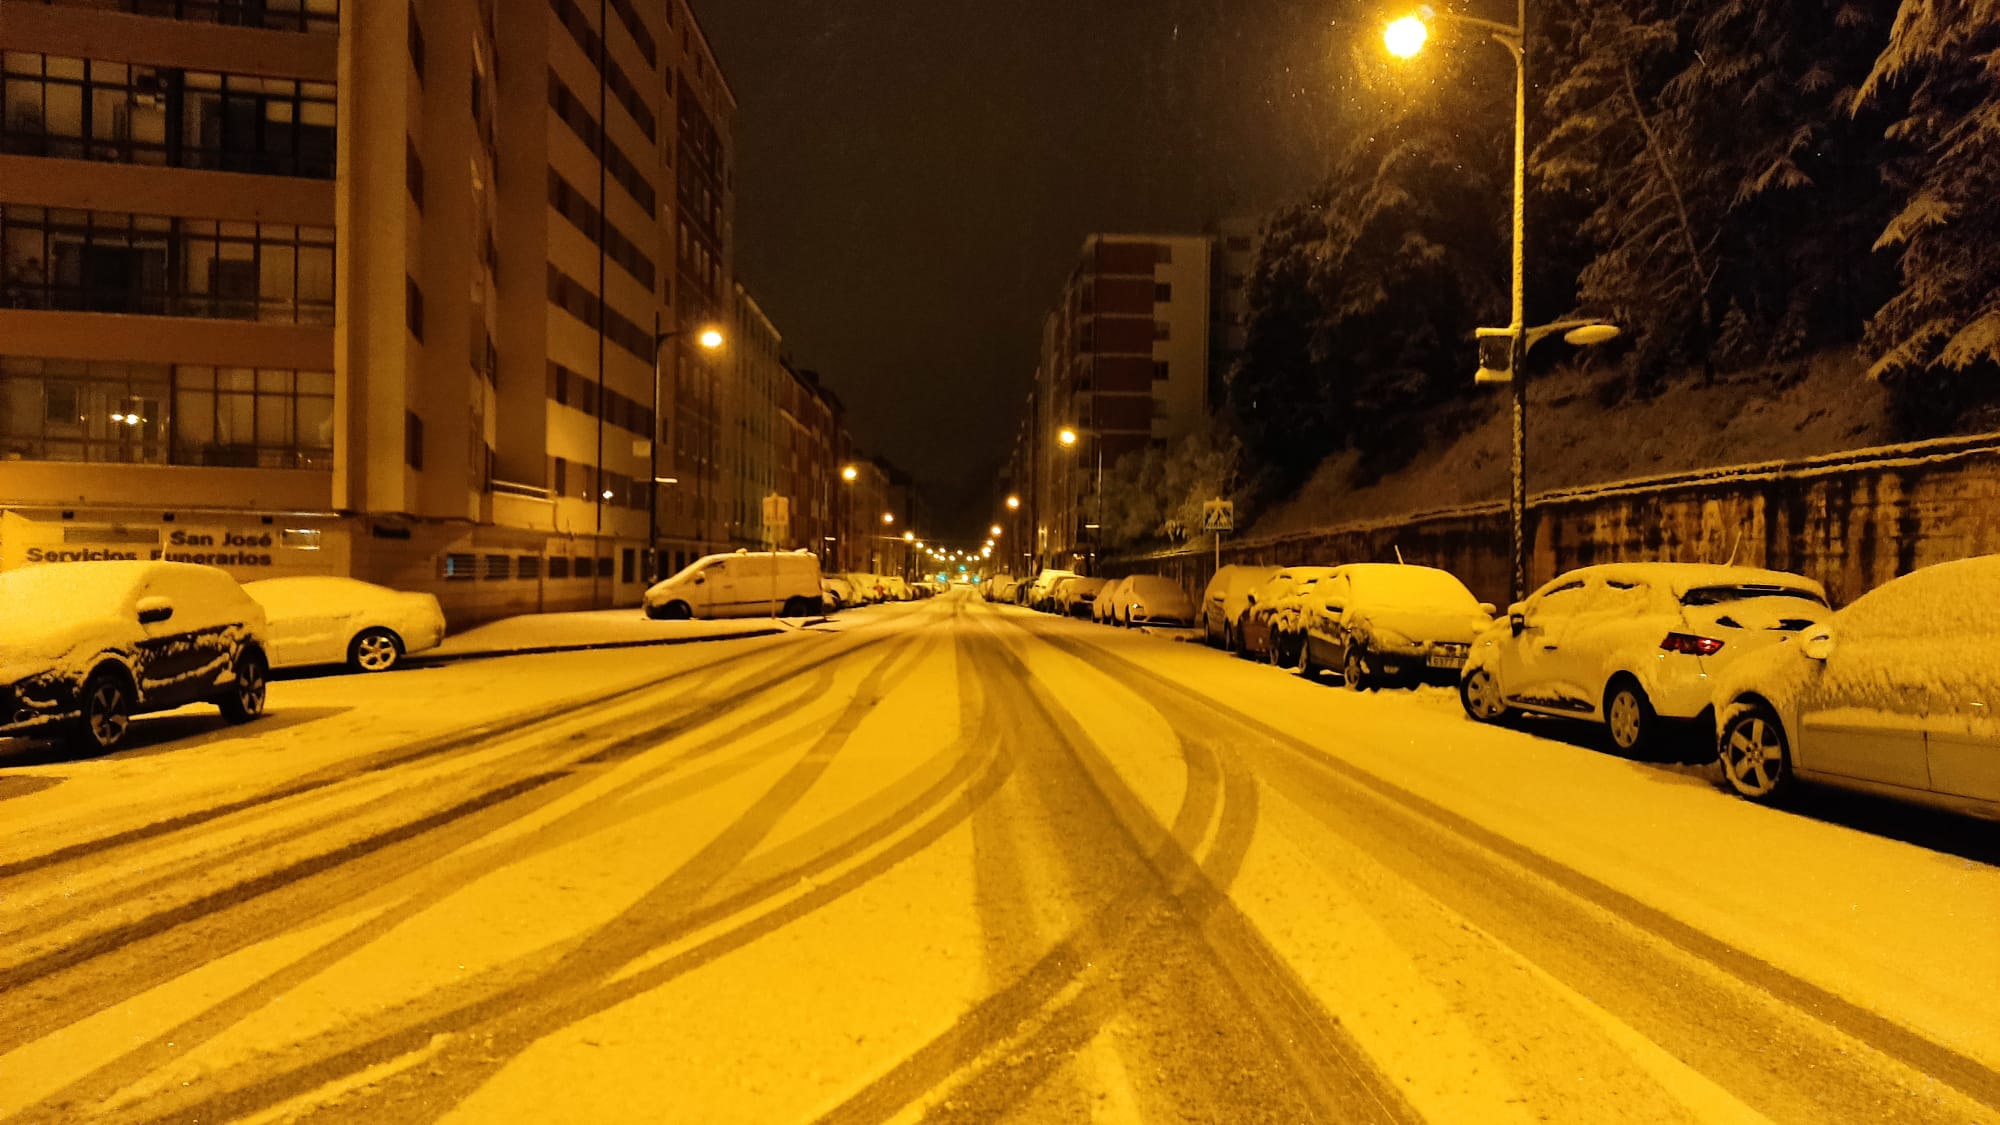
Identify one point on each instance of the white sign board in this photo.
(1218, 515)
(777, 517)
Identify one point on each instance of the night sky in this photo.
(914, 182)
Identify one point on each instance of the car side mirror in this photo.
(154, 610)
(1488, 608)
(700, 578)
(1519, 621)
(1819, 646)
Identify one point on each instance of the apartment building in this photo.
(1125, 365)
(277, 292)
(751, 397)
(808, 461)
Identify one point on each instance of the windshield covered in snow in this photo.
(1412, 587)
(70, 590)
(1742, 591)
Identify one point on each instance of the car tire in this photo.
(1304, 665)
(1756, 757)
(674, 611)
(375, 650)
(104, 712)
(1629, 716)
(244, 699)
(1354, 669)
(1479, 694)
(797, 607)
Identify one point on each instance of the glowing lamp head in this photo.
(888, 517)
(994, 531)
(1067, 436)
(709, 338)
(849, 474)
(1013, 503)
(1405, 37)
(909, 537)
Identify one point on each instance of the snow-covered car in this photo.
(836, 593)
(895, 589)
(1896, 694)
(1255, 637)
(1104, 608)
(1153, 599)
(88, 645)
(1038, 592)
(1077, 596)
(1223, 602)
(742, 584)
(1631, 644)
(327, 620)
(868, 588)
(1387, 623)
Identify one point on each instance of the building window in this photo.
(70, 410)
(413, 440)
(458, 567)
(416, 44)
(94, 261)
(413, 172)
(1162, 330)
(528, 566)
(1163, 292)
(89, 109)
(1160, 370)
(498, 567)
(628, 565)
(559, 477)
(317, 16)
(243, 417)
(558, 566)
(413, 307)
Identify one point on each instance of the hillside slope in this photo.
(1823, 406)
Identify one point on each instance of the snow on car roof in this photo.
(51, 594)
(1684, 576)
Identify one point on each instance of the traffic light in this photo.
(1496, 355)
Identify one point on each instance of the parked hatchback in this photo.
(1388, 623)
(327, 620)
(89, 645)
(1898, 694)
(1631, 644)
(1225, 599)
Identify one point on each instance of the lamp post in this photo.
(710, 339)
(1067, 438)
(1404, 38)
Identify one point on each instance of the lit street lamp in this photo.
(710, 339)
(1013, 503)
(1067, 437)
(1503, 352)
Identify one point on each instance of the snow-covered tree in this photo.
(1943, 323)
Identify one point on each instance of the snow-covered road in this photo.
(958, 862)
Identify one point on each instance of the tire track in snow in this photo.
(484, 1025)
(496, 802)
(1164, 948)
(1798, 1059)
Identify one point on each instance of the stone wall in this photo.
(1852, 520)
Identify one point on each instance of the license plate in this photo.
(1446, 660)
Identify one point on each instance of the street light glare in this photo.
(994, 531)
(1405, 37)
(849, 473)
(1013, 503)
(1067, 436)
(888, 517)
(710, 338)
(909, 537)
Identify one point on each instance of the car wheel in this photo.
(1354, 669)
(675, 611)
(1628, 716)
(375, 650)
(105, 713)
(1304, 664)
(244, 700)
(1480, 695)
(1754, 754)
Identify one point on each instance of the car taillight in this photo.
(1691, 644)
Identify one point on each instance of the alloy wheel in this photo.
(376, 651)
(107, 712)
(1481, 695)
(1753, 755)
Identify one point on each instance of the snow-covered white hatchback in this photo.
(85, 646)
(1387, 623)
(328, 620)
(1630, 644)
(1898, 694)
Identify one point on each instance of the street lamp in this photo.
(711, 339)
(994, 531)
(888, 517)
(1013, 503)
(1067, 438)
(849, 474)
(1503, 352)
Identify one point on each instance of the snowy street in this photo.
(954, 861)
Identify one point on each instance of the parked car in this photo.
(327, 620)
(836, 592)
(1153, 599)
(1386, 623)
(1896, 695)
(1076, 596)
(743, 584)
(868, 588)
(1038, 593)
(88, 645)
(1632, 644)
(1254, 635)
(1225, 599)
(1104, 607)
(895, 589)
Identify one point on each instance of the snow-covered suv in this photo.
(85, 646)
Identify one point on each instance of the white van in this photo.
(745, 584)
